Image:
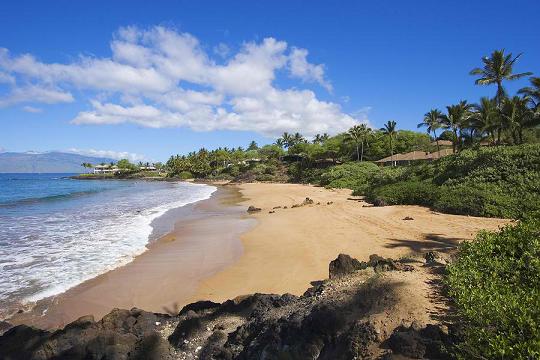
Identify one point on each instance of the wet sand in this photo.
(205, 240)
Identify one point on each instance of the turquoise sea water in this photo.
(56, 232)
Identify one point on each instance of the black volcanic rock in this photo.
(343, 265)
(252, 209)
(121, 334)
(430, 342)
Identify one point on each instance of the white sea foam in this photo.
(68, 243)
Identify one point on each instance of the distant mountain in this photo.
(49, 162)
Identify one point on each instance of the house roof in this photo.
(442, 143)
(410, 156)
(440, 154)
(416, 155)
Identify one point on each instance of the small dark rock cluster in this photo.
(307, 201)
(430, 342)
(121, 334)
(344, 264)
(252, 209)
(379, 202)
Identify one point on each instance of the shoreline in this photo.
(155, 280)
(282, 250)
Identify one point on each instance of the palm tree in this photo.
(86, 165)
(532, 92)
(298, 138)
(358, 134)
(432, 122)
(517, 116)
(455, 119)
(286, 140)
(497, 68)
(320, 139)
(389, 130)
(486, 118)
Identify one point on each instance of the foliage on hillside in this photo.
(493, 182)
(495, 284)
(352, 175)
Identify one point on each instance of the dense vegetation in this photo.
(493, 182)
(495, 283)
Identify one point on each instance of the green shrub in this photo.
(304, 175)
(491, 182)
(389, 175)
(185, 175)
(405, 193)
(492, 164)
(352, 175)
(495, 283)
(486, 199)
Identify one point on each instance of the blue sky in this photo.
(150, 79)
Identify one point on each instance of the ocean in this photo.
(57, 232)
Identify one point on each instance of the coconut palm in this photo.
(86, 165)
(298, 138)
(486, 119)
(320, 139)
(286, 140)
(532, 92)
(517, 116)
(389, 130)
(498, 67)
(358, 134)
(432, 123)
(456, 119)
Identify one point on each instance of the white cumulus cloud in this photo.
(160, 77)
(35, 93)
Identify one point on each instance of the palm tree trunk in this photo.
(499, 94)
(391, 152)
(454, 143)
(362, 153)
(437, 141)
(357, 153)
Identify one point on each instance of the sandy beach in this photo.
(290, 248)
(219, 252)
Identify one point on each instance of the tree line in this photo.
(500, 120)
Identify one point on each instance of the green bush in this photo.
(485, 199)
(495, 283)
(304, 175)
(491, 182)
(352, 175)
(405, 193)
(185, 175)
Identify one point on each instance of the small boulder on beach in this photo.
(252, 209)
